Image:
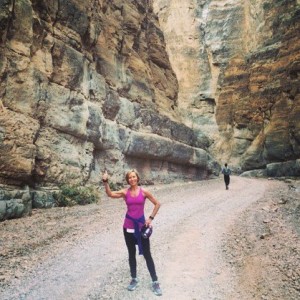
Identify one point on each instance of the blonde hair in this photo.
(132, 171)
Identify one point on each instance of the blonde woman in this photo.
(135, 198)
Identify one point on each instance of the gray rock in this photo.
(42, 199)
(14, 203)
(289, 168)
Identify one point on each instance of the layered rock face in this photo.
(237, 64)
(88, 86)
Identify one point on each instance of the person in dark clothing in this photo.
(226, 172)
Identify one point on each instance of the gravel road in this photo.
(79, 253)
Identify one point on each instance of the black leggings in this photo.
(226, 179)
(131, 243)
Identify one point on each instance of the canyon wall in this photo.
(88, 86)
(237, 64)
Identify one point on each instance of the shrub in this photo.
(114, 186)
(73, 195)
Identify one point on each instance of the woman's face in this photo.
(132, 178)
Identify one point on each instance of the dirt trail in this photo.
(88, 260)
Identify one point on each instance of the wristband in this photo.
(104, 180)
(152, 218)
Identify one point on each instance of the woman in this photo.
(135, 198)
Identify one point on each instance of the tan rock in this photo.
(235, 63)
(86, 77)
(17, 151)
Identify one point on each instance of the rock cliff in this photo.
(87, 86)
(237, 64)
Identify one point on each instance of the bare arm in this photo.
(113, 194)
(156, 207)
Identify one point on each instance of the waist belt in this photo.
(137, 232)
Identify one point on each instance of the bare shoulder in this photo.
(146, 193)
(123, 191)
(143, 190)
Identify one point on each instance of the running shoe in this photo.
(133, 284)
(156, 288)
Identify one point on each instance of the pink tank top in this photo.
(135, 208)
